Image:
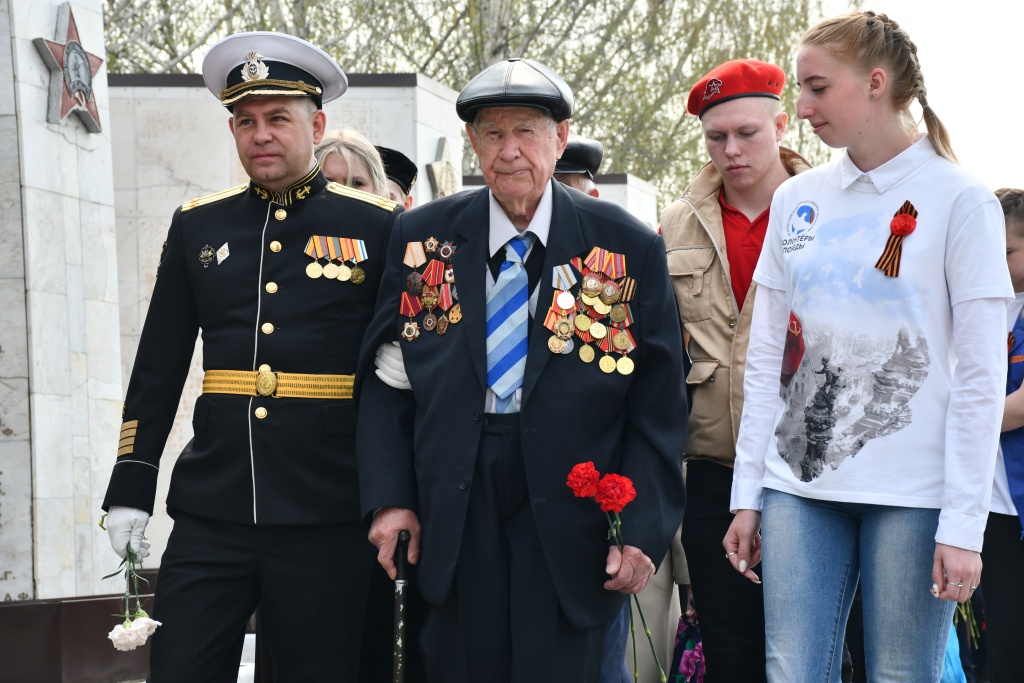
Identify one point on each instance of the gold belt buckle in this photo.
(266, 381)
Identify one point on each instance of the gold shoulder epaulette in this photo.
(215, 197)
(346, 191)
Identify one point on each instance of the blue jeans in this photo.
(814, 554)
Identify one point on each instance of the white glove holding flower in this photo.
(127, 528)
(391, 366)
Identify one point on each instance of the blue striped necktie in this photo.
(507, 320)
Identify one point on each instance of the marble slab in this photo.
(16, 575)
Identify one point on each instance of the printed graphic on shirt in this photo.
(845, 384)
(799, 226)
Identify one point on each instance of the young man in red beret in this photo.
(713, 236)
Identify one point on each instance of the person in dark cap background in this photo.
(401, 172)
(281, 276)
(713, 234)
(512, 385)
(579, 164)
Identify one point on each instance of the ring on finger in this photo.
(728, 555)
(958, 584)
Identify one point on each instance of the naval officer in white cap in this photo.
(280, 275)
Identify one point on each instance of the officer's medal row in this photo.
(600, 313)
(341, 249)
(432, 289)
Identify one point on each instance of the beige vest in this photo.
(716, 330)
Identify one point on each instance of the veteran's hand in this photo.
(126, 528)
(384, 534)
(742, 543)
(956, 573)
(629, 570)
(391, 366)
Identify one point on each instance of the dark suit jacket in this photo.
(297, 464)
(417, 449)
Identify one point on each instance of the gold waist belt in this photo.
(265, 382)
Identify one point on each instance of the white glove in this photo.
(391, 366)
(127, 528)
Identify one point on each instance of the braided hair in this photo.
(872, 40)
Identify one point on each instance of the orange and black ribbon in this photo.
(903, 223)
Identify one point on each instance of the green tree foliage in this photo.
(630, 63)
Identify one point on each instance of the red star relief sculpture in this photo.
(73, 72)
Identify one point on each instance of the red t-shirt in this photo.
(743, 242)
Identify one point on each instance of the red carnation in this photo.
(583, 480)
(902, 224)
(614, 491)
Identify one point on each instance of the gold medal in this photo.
(618, 313)
(442, 324)
(598, 330)
(563, 328)
(314, 270)
(602, 308)
(621, 341)
(624, 365)
(589, 300)
(607, 364)
(583, 322)
(568, 347)
(344, 273)
(358, 276)
(587, 353)
(556, 344)
(455, 314)
(331, 270)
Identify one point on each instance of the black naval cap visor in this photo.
(283, 79)
(516, 83)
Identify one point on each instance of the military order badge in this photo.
(73, 70)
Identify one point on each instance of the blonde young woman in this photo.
(347, 157)
(875, 372)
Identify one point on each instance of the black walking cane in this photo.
(401, 583)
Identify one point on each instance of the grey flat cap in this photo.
(516, 83)
(581, 155)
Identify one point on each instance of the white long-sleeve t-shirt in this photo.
(867, 388)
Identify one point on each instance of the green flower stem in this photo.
(615, 531)
(632, 633)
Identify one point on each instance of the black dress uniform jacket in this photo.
(417, 449)
(253, 304)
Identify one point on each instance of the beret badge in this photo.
(713, 87)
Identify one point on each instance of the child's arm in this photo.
(1013, 411)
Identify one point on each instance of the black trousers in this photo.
(310, 581)
(730, 607)
(1002, 583)
(502, 622)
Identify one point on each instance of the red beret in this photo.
(731, 80)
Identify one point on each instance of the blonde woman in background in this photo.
(348, 158)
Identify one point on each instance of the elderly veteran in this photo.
(713, 234)
(401, 173)
(579, 164)
(281, 276)
(517, 375)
